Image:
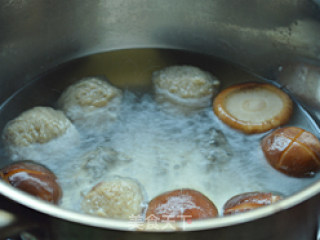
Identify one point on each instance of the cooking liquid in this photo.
(162, 150)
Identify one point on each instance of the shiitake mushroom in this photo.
(248, 201)
(34, 179)
(253, 107)
(292, 151)
(181, 204)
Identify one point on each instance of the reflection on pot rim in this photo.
(55, 211)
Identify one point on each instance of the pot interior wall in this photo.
(37, 35)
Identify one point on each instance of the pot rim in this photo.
(125, 225)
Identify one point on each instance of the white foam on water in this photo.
(166, 151)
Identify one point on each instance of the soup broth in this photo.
(162, 150)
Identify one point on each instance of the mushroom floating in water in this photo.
(181, 204)
(292, 151)
(248, 201)
(34, 179)
(253, 107)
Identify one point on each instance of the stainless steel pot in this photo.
(261, 36)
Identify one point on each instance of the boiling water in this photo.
(162, 150)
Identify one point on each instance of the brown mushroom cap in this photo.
(253, 107)
(293, 151)
(182, 204)
(34, 179)
(249, 201)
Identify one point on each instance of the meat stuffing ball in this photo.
(248, 201)
(38, 133)
(34, 179)
(91, 103)
(182, 204)
(253, 107)
(116, 198)
(186, 86)
(292, 151)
